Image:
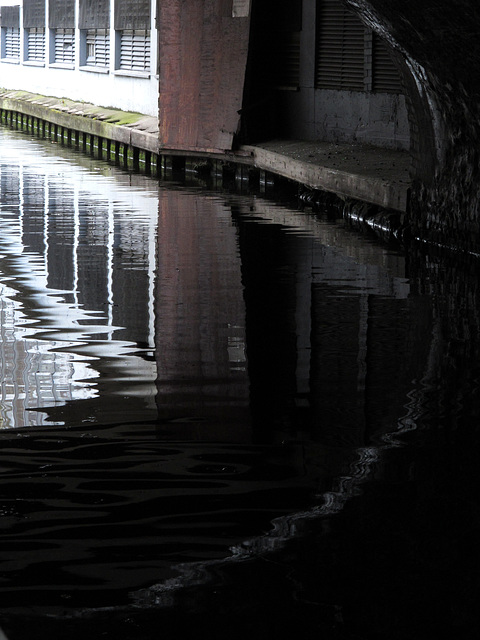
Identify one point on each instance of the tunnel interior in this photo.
(432, 101)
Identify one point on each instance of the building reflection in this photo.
(335, 338)
(203, 385)
(76, 278)
(274, 319)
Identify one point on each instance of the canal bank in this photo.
(379, 177)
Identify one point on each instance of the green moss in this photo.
(104, 114)
(123, 117)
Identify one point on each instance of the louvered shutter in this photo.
(12, 43)
(65, 46)
(135, 50)
(385, 75)
(36, 44)
(288, 59)
(98, 47)
(340, 51)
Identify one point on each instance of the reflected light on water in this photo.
(61, 228)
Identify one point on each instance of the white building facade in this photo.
(98, 51)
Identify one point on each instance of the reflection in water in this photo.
(32, 374)
(193, 383)
(78, 261)
(203, 389)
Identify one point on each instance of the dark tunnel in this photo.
(437, 40)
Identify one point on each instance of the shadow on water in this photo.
(225, 416)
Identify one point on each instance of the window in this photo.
(11, 34)
(94, 25)
(386, 78)
(135, 50)
(132, 33)
(340, 54)
(97, 47)
(286, 30)
(11, 43)
(61, 22)
(35, 40)
(64, 46)
(287, 56)
(34, 30)
(349, 56)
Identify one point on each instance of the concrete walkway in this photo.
(369, 174)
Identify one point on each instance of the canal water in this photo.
(221, 414)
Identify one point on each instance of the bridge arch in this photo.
(437, 51)
(436, 44)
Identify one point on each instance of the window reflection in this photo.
(77, 262)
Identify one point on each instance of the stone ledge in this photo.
(368, 174)
(134, 129)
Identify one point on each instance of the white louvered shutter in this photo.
(65, 46)
(36, 44)
(135, 50)
(12, 43)
(98, 47)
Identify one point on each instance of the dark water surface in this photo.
(224, 416)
